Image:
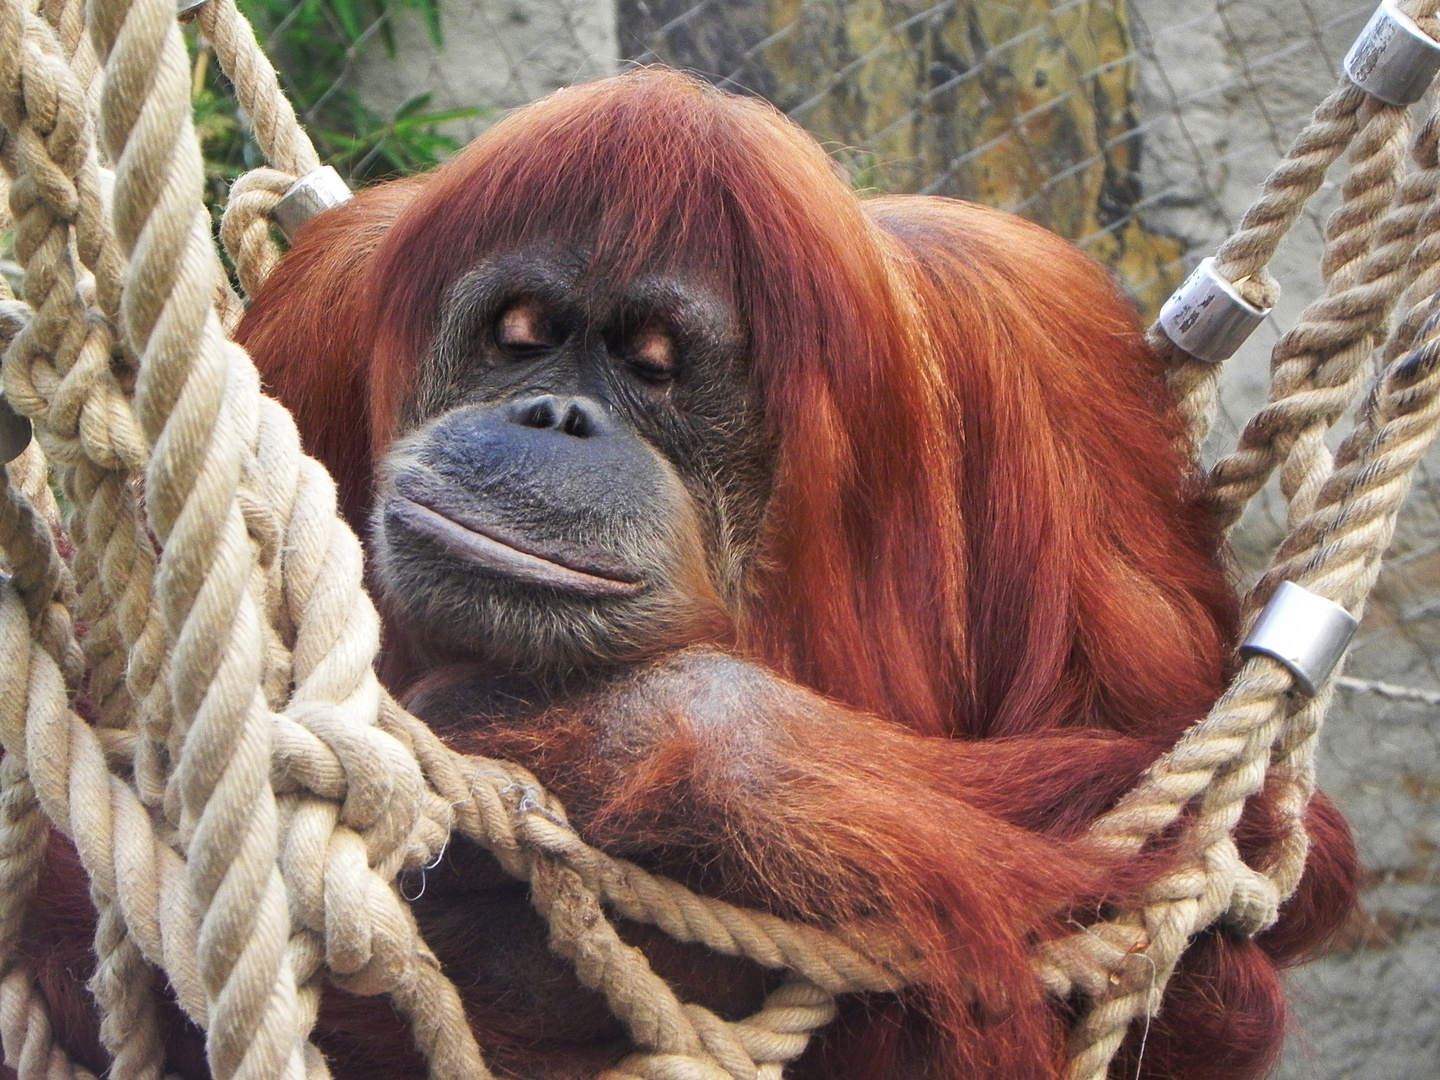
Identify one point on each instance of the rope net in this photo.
(248, 792)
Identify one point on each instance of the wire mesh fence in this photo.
(1139, 130)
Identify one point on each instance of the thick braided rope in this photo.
(757, 1048)
(96, 246)
(1377, 278)
(38, 572)
(128, 1026)
(257, 87)
(57, 193)
(1244, 257)
(111, 829)
(25, 1034)
(245, 229)
(55, 164)
(1318, 366)
(326, 558)
(368, 934)
(1351, 545)
(58, 372)
(1423, 271)
(1329, 347)
(68, 19)
(25, 1031)
(192, 403)
(1412, 224)
(342, 850)
(1359, 511)
(229, 740)
(1243, 731)
(503, 808)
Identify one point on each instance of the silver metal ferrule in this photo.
(1305, 632)
(1393, 59)
(309, 197)
(14, 432)
(1207, 317)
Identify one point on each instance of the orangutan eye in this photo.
(523, 330)
(651, 355)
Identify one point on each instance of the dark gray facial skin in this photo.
(583, 472)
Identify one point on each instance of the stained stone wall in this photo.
(1022, 104)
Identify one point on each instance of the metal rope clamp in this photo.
(1207, 317)
(1305, 632)
(1393, 59)
(309, 197)
(15, 432)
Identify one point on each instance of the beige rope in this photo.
(228, 813)
(1423, 269)
(67, 17)
(1317, 364)
(58, 194)
(369, 935)
(277, 132)
(1244, 257)
(245, 228)
(24, 1020)
(41, 581)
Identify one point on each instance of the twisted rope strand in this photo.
(1318, 366)
(1243, 258)
(196, 407)
(41, 580)
(279, 135)
(245, 228)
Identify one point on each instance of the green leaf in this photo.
(350, 18)
(413, 106)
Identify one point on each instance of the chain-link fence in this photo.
(1140, 130)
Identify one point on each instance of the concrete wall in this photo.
(497, 54)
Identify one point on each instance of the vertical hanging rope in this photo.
(1316, 366)
(1242, 259)
(197, 420)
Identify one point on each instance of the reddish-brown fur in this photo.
(980, 533)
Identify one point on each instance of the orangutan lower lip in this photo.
(502, 558)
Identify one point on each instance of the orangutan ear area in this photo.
(841, 559)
